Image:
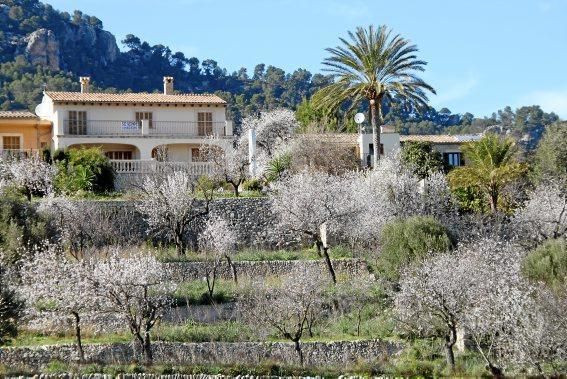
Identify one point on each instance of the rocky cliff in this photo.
(45, 47)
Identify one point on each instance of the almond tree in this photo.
(229, 161)
(544, 216)
(392, 191)
(273, 129)
(499, 300)
(170, 205)
(315, 203)
(32, 175)
(134, 287)
(219, 241)
(56, 287)
(289, 309)
(433, 300)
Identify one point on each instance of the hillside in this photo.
(41, 47)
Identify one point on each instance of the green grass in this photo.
(196, 293)
(226, 331)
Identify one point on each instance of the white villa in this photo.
(133, 126)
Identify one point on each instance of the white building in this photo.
(133, 126)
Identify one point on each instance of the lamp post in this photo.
(359, 119)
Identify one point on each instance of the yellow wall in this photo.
(31, 132)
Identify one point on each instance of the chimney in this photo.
(85, 82)
(168, 85)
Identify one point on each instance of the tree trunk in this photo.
(495, 371)
(329, 264)
(299, 352)
(233, 267)
(493, 199)
(235, 189)
(147, 347)
(450, 340)
(450, 356)
(179, 245)
(78, 337)
(319, 246)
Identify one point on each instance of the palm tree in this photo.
(490, 167)
(373, 66)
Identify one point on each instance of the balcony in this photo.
(152, 166)
(146, 128)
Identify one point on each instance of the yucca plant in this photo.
(374, 66)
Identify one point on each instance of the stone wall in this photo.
(332, 354)
(187, 271)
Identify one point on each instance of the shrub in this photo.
(84, 170)
(404, 241)
(253, 185)
(547, 263)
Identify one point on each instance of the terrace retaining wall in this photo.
(332, 354)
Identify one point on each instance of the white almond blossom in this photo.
(218, 241)
(134, 287)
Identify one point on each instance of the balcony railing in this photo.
(150, 166)
(143, 128)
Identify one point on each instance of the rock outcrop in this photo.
(43, 48)
(46, 48)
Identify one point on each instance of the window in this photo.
(205, 123)
(11, 142)
(121, 155)
(145, 116)
(196, 155)
(77, 122)
(453, 159)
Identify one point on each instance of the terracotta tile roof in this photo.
(442, 138)
(17, 115)
(156, 98)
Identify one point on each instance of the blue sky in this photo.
(482, 54)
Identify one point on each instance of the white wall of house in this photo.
(390, 141)
(142, 145)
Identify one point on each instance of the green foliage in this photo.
(196, 293)
(253, 185)
(547, 263)
(277, 167)
(491, 167)
(20, 226)
(470, 200)
(421, 158)
(57, 367)
(227, 331)
(405, 241)
(551, 154)
(85, 169)
(10, 310)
